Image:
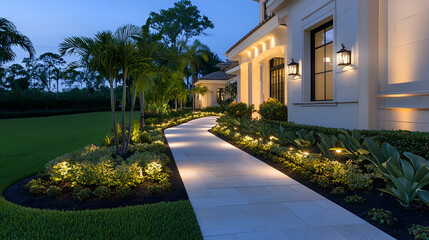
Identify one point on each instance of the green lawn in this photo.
(27, 144)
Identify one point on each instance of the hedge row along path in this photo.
(236, 196)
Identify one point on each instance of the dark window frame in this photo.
(277, 81)
(220, 93)
(313, 62)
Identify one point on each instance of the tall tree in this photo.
(52, 63)
(209, 66)
(180, 23)
(195, 55)
(17, 77)
(11, 37)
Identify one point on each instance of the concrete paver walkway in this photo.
(236, 196)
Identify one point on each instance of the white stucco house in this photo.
(385, 85)
(216, 83)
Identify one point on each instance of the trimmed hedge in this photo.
(402, 140)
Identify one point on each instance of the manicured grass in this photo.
(27, 144)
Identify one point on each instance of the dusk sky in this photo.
(48, 22)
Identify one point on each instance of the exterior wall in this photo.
(385, 87)
(209, 99)
(253, 84)
(403, 99)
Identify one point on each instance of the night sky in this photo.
(48, 22)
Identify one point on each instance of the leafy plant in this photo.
(273, 109)
(36, 186)
(327, 143)
(339, 191)
(406, 177)
(101, 192)
(382, 216)
(54, 191)
(240, 110)
(354, 199)
(83, 194)
(419, 232)
(124, 191)
(353, 145)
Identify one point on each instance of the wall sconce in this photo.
(293, 68)
(344, 56)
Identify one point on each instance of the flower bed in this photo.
(95, 177)
(350, 172)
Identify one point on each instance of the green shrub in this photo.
(54, 191)
(101, 192)
(154, 189)
(124, 191)
(419, 232)
(339, 191)
(83, 194)
(354, 199)
(240, 110)
(37, 189)
(36, 186)
(273, 109)
(382, 216)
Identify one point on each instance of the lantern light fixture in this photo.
(293, 68)
(344, 56)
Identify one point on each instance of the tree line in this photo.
(160, 61)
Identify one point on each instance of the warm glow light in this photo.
(306, 153)
(344, 56)
(293, 68)
(290, 149)
(338, 151)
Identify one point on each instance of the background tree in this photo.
(11, 37)
(180, 23)
(17, 78)
(52, 63)
(209, 66)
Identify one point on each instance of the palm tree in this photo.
(100, 54)
(11, 37)
(194, 56)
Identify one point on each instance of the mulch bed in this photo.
(17, 194)
(374, 199)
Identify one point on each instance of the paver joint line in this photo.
(236, 196)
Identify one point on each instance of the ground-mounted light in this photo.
(292, 68)
(344, 56)
(338, 151)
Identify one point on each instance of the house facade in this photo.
(216, 83)
(382, 83)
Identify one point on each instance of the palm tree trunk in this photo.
(124, 103)
(113, 107)
(58, 80)
(142, 109)
(175, 103)
(181, 103)
(133, 103)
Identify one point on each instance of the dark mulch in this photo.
(374, 199)
(21, 196)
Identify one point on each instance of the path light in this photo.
(293, 68)
(338, 151)
(306, 153)
(344, 56)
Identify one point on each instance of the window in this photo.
(220, 94)
(322, 63)
(277, 79)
